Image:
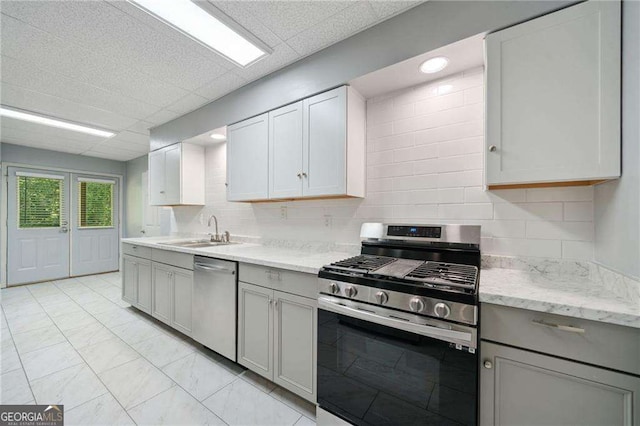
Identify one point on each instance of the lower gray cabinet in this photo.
(182, 301)
(519, 387)
(255, 328)
(162, 289)
(295, 331)
(136, 282)
(277, 337)
(173, 296)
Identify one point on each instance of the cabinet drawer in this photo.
(181, 260)
(299, 283)
(593, 342)
(135, 250)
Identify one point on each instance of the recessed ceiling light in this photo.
(46, 121)
(218, 137)
(194, 21)
(434, 65)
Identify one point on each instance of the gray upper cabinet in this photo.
(285, 151)
(255, 328)
(525, 388)
(553, 98)
(176, 175)
(325, 143)
(247, 159)
(312, 148)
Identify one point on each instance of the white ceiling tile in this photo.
(340, 26)
(237, 11)
(113, 155)
(35, 46)
(120, 145)
(188, 103)
(135, 139)
(162, 117)
(288, 18)
(19, 97)
(29, 76)
(142, 127)
(100, 27)
(385, 9)
(24, 129)
(221, 86)
(282, 55)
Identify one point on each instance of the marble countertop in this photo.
(570, 295)
(274, 257)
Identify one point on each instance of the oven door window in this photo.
(375, 375)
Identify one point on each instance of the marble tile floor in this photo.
(75, 342)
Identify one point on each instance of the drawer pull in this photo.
(568, 328)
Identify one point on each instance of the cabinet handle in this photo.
(493, 148)
(299, 175)
(304, 174)
(270, 302)
(568, 328)
(488, 365)
(162, 192)
(275, 303)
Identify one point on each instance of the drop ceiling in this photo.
(110, 65)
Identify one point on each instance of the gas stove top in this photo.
(430, 270)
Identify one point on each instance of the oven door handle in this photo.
(466, 338)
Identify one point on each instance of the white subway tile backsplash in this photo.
(582, 211)
(450, 133)
(528, 211)
(576, 193)
(414, 153)
(425, 149)
(465, 211)
(573, 231)
(458, 179)
(479, 195)
(577, 250)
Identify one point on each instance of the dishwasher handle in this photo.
(213, 268)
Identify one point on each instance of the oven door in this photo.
(377, 366)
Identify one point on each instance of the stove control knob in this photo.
(416, 304)
(382, 297)
(350, 291)
(333, 288)
(441, 310)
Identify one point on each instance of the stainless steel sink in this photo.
(197, 243)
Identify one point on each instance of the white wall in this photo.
(424, 164)
(617, 209)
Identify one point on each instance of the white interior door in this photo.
(94, 225)
(37, 225)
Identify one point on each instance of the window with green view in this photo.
(96, 204)
(39, 202)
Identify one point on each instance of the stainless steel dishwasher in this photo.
(214, 304)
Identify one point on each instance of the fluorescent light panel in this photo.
(192, 20)
(52, 122)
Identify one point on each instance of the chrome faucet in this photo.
(217, 238)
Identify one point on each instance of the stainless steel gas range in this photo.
(397, 327)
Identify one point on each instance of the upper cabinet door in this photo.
(324, 145)
(172, 174)
(285, 151)
(248, 159)
(156, 178)
(553, 97)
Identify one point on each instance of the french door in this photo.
(37, 226)
(60, 225)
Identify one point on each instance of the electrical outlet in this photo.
(327, 220)
(283, 212)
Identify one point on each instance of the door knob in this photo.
(299, 175)
(64, 229)
(493, 148)
(304, 174)
(488, 364)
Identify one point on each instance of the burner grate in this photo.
(445, 274)
(363, 262)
